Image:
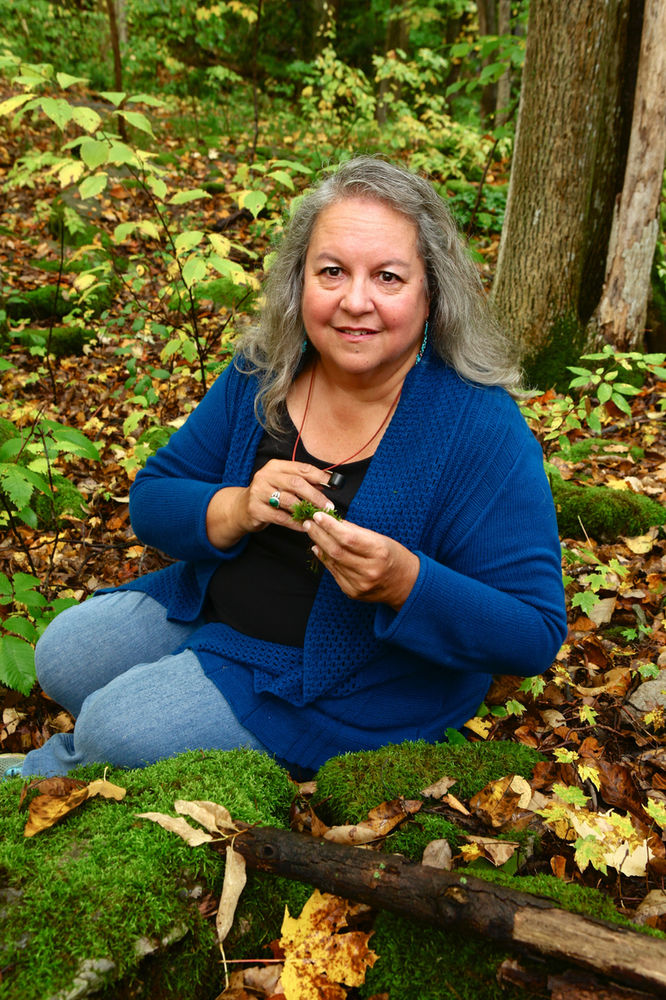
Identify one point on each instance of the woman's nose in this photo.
(357, 298)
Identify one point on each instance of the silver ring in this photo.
(274, 500)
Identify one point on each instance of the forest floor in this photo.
(598, 715)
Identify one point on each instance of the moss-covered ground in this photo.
(92, 895)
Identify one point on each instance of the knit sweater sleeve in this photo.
(489, 595)
(170, 495)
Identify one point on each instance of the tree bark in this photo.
(517, 919)
(568, 165)
(504, 83)
(620, 317)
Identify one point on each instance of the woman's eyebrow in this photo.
(384, 265)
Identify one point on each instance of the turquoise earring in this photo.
(423, 344)
(304, 345)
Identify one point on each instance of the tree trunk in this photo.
(396, 38)
(620, 317)
(569, 161)
(487, 14)
(517, 919)
(504, 83)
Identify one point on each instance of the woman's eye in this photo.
(332, 271)
(388, 277)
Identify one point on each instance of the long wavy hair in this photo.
(462, 327)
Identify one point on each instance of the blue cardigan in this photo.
(458, 478)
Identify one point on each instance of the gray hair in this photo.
(462, 328)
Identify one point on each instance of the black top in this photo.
(267, 592)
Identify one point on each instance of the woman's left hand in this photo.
(366, 565)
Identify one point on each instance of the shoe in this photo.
(10, 765)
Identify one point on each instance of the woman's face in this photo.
(365, 299)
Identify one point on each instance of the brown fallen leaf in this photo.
(498, 852)
(320, 959)
(235, 877)
(439, 788)
(179, 826)
(59, 796)
(500, 800)
(438, 854)
(380, 822)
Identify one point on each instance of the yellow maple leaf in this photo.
(318, 958)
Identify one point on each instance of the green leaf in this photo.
(120, 153)
(60, 112)
(571, 794)
(194, 269)
(586, 601)
(93, 186)
(149, 99)
(114, 97)
(94, 153)
(20, 625)
(253, 201)
(65, 80)
(283, 177)
(17, 664)
(183, 197)
(157, 186)
(16, 484)
(187, 240)
(87, 118)
(137, 120)
(621, 403)
(121, 232)
(148, 228)
(605, 392)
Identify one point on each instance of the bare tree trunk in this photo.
(487, 14)
(121, 19)
(115, 45)
(569, 160)
(504, 83)
(620, 317)
(396, 38)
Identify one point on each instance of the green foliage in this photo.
(27, 614)
(350, 785)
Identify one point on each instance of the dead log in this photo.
(445, 899)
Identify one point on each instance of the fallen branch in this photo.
(522, 921)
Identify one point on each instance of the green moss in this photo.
(66, 341)
(350, 785)
(45, 302)
(64, 499)
(101, 879)
(602, 513)
(587, 448)
(433, 964)
(413, 837)
(547, 367)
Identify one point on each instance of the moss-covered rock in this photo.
(350, 785)
(65, 341)
(91, 888)
(602, 513)
(62, 499)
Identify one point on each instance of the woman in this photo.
(375, 382)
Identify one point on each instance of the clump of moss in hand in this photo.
(304, 510)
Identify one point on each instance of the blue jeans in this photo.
(110, 662)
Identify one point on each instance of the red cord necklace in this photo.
(335, 465)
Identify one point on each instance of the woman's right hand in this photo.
(236, 510)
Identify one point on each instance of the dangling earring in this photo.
(304, 345)
(423, 344)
